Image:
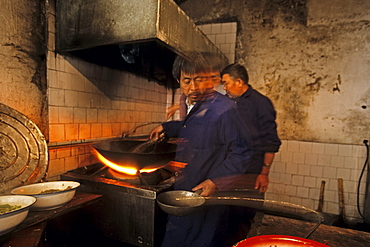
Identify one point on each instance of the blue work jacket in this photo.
(259, 115)
(210, 142)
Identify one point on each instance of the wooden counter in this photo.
(265, 224)
(36, 220)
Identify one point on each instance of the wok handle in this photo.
(198, 192)
(321, 198)
(341, 199)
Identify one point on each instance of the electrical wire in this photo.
(359, 182)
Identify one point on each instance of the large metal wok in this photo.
(118, 152)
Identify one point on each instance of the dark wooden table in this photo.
(265, 224)
(28, 233)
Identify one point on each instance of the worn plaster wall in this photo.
(310, 57)
(22, 58)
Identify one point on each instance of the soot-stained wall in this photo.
(310, 57)
(23, 60)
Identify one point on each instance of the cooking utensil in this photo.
(321, 197)
(341, 221)
(118, 152)
(180, 202)
(327, 218)
(278, 240)
(172, 202)
(148, 146)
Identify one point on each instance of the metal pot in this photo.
(118, 152)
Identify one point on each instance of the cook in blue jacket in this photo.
(211, 147)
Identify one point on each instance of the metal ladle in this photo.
(182, 203)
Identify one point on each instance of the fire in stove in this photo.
(128, 211)
(125, 168)
(118, 155)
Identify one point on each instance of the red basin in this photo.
(278, 241)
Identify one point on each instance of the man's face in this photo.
(195, 86)
(231, 86)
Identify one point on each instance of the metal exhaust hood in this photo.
(139, 36)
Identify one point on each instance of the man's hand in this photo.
(262, 182)
(155, 133)
(170, 111)
(207, 187)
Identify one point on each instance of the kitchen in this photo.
(309, 57)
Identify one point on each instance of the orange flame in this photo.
(114, 166)
(123, 169)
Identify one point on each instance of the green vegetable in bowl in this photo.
(55, 190)
(5, 208)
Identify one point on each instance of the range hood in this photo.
(139, 36)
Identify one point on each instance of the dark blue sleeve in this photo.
(266, 120)
(172, 128)
(239, 150)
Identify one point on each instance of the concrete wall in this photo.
(310, 57)
(23, 59)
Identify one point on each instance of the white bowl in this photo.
(9, 220)
(48, 201)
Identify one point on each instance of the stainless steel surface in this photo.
(127, 212)
(88, 23)
(157, 30)
(23, 150)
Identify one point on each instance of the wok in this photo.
(118, 152)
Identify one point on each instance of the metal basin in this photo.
(118, 152)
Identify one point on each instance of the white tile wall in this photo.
(299, 168)
(89, 102)
(223, 35)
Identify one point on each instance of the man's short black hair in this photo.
(237, 71)
(196, 62)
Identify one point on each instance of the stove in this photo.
(128, 211)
